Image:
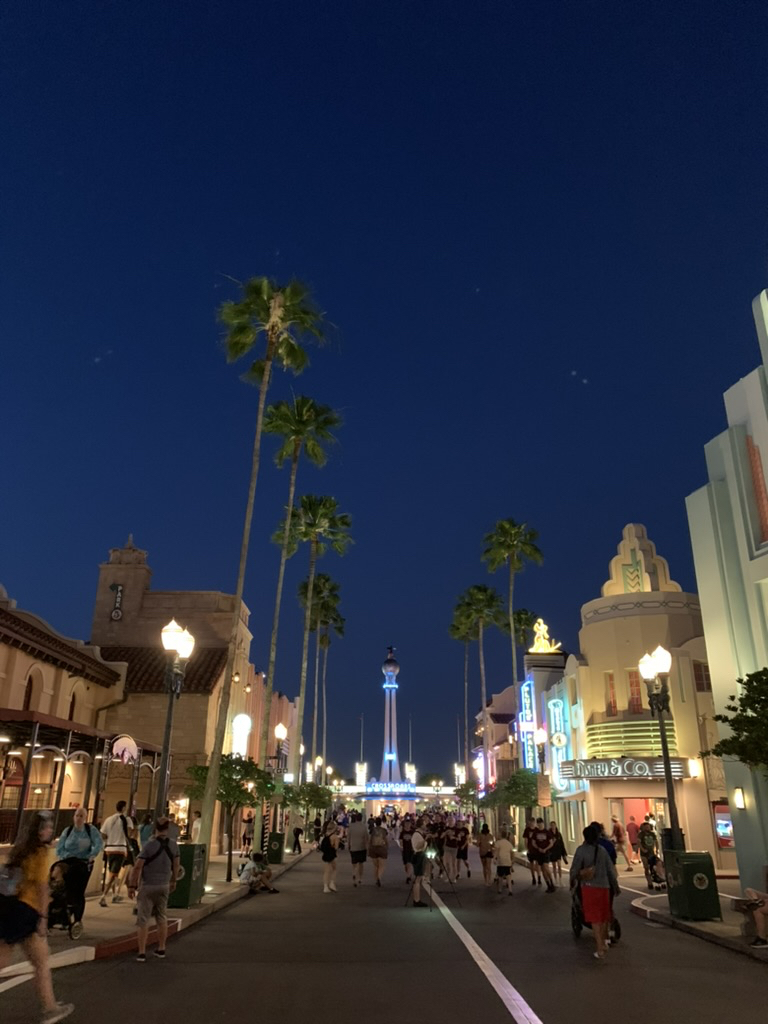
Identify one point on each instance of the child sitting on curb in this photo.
(256, 875)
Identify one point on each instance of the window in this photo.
(635, 692)
(611, 708)
(28, 695)
(701, 677)
(72, 708)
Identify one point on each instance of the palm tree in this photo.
(512, 544)
(325, 600)
(481, 606)
(461, 629)
(524, 621)
(336, 623)
(303, 426)
(318, 522)
(284, 317)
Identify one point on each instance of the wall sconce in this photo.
(738, 798)
(694, 768)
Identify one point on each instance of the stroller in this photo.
(654, 879)
(578, 924)
(61, 913)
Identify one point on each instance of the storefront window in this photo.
(723, 826)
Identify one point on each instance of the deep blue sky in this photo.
(537, 227)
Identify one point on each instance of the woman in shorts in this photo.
(485, 849)
(462, 852)
(24, 913)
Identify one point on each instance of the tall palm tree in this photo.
(317, 522)
(524, 621)
(283, 317)
(304, 426)
(461, 629)
(511, 544)
(336, 623)
(325, 600)
(482, 606)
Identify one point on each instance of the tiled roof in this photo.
(146, 668)
(45, 644)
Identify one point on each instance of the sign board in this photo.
(544, 798)
(633, 769)
(390, 787)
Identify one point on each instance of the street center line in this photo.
(505, 990)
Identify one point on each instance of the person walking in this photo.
(633, 830)
(197, 824)
(419, 844)
(530, 828)
(152, 880)
(298, 832)
(79, 845)
(248, 827)
(557, 855)
(485, 849)
(329, 846)
(450, 849)
(757, 904)
(378, 850)
(619, 839)
(406, 846)
(593, 871)
(24, 909)
(462, 852)
(146, 830)
(357, 837)
(503, 854)
(541, 843)
(116, 831)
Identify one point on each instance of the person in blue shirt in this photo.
(147, 830)
(604, 841)
(78, 846)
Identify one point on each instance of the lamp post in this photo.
(540, 739)
(278, 762)
(437, 785)
(179, 644)
(654, 668)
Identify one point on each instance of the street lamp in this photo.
(178, 644)
(540, 739)
(654, 668)
(437, 785)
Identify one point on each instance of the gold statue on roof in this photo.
(541, 641)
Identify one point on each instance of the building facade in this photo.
(728, 521)
(603, 752)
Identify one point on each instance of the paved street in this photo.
(306, 955)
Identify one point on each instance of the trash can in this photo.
(692, 885)
(275, 847)
(190, 885)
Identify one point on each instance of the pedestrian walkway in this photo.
(111, 930)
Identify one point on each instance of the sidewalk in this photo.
(111, 930)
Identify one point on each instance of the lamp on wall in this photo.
(738, 798)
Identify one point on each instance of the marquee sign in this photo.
(390, 787)
(632, 768)
(526, 725)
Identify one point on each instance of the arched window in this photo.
(28, 695)
(72, 707)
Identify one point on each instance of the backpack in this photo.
(66, 832)
(10, 880)
(133, 878)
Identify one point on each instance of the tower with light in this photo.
(390, 765)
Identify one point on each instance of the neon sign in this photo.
(558, 746)
(390, 787)
(526, 724)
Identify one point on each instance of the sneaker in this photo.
(160, 954)
(326, 889)
(538, 881)
(510, 892)
(117, 899)
(378, 882)
(630, 868)
(141, 958)
(758, 943)
(277, 890)
(533, 881)
(332, 887)
(469, 873)
(550, 888)
(60, 1011)
(599, 956)
(102, 902)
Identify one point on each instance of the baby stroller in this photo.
(654, 879)
(60, 910)
(578, 924)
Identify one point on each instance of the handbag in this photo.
(588, 873)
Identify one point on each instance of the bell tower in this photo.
(123, 581)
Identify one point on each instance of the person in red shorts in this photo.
(592, 869)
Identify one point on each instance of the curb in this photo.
(689, 927)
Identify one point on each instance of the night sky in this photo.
(536, 227)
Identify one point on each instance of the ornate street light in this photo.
(178, 644)
(654, 668)
(540, 739)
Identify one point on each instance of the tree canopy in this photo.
(748, 723)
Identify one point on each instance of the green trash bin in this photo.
(692, 885)
(190, 885)
(275, 847)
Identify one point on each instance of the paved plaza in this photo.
(303, 954)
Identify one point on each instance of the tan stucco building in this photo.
(603, 751)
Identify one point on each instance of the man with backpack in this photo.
(154, 876)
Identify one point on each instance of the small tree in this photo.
(233, 791)
(521, 789)
(748, 722)
(467, 794)
(308, 795)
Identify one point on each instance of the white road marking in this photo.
(518, 1008)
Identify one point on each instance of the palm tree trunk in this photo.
(486, 760)
(214, 765)
(325, 703)
(296, 757)
(512, 622)
(466, 710)
(230, 822)
(269, 682)
(317, 693)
